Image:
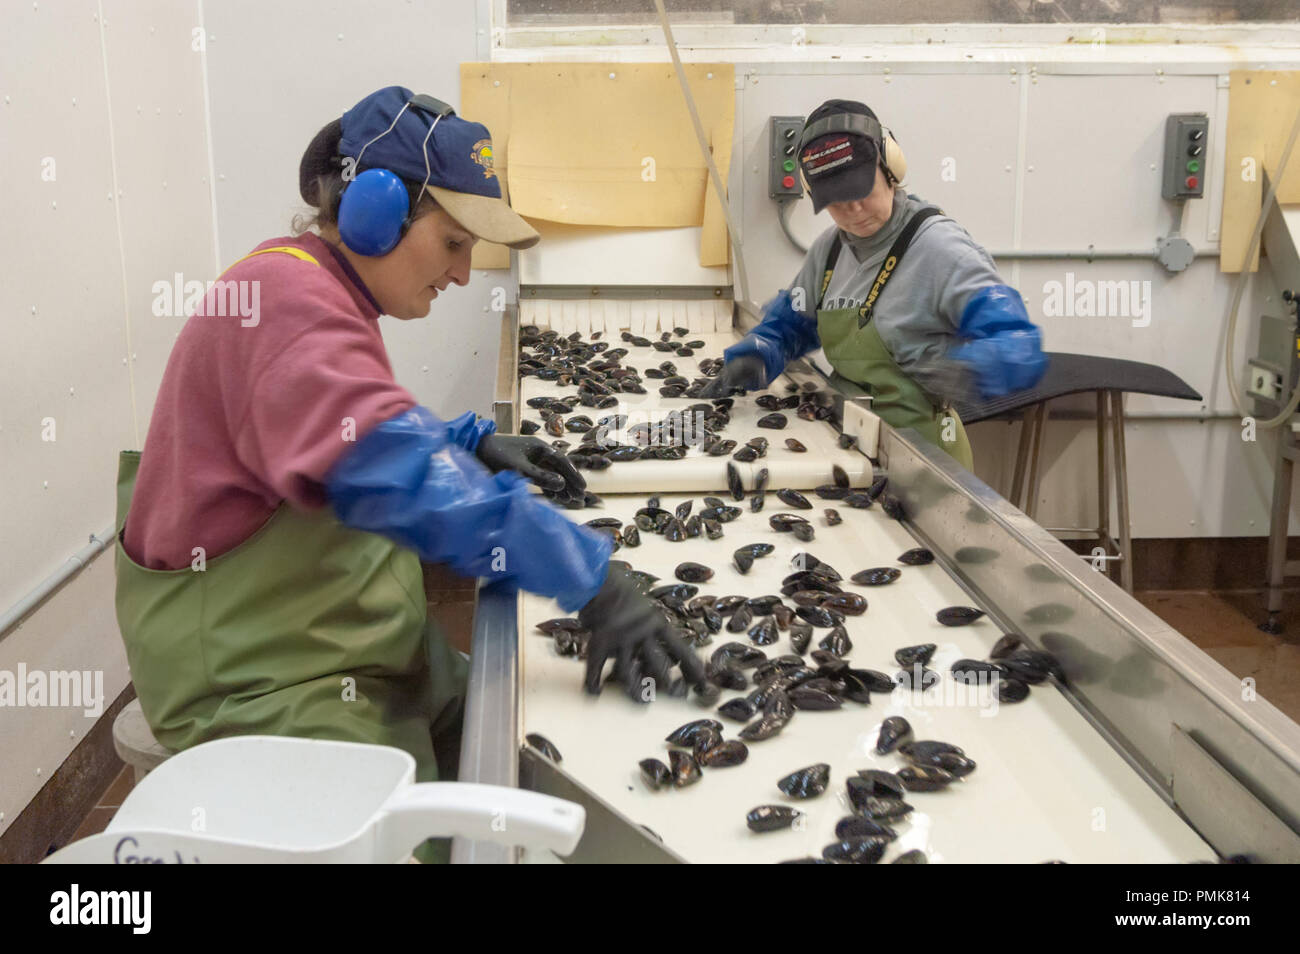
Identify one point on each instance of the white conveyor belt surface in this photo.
(1048, 785)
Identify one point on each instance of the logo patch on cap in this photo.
(825, 155)
(482, 154)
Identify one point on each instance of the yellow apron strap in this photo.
(286, 249)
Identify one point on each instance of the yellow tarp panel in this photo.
(575, 146)
(1262, 106)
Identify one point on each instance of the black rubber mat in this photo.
(1076, 373)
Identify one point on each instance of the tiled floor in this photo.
(99, 817)
(1221, 623)
(1225, 625)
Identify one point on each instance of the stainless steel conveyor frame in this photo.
(1227, 761)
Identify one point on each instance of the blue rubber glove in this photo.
(408, 480)
(1003, 349)
(468, 429)
(782, 336)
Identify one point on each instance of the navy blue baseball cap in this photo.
(389, 129)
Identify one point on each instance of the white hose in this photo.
(736, 249)
(1240, 287)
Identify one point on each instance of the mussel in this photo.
(792, 498)
(775, 421)
(958, 615)
(771, 817)
(806, 782)
(850, 604)
(911, 655)
(689, 572)
(544, 745)
(876, 576)
(894, 731)
(739, 709)
(974, 671)
(925, 778)
(685, 735)
(730, 752)
(655, 774)
(857, 851)
(917, 556)
(734, 483)
(685, 770)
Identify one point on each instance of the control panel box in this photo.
(782, 157)
(1186, 139)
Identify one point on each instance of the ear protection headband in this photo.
(375, 208)
(891, 153)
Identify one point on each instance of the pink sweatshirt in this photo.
(256, 410)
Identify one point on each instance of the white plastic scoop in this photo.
(267, 799)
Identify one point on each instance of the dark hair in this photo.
(321, 181)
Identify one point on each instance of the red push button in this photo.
(788, 182)
(1192, 182)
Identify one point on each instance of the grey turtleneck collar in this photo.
(864, 248)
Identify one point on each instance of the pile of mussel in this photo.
(876, 797)
(600, 375)
(695, 746)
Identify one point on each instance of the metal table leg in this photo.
(1121, 491)
(1022, 458)
(1103, 478)
(1040, 436)
(1283, 472)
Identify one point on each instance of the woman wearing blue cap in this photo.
(268, 577)
(901, 298)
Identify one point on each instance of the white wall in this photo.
(277, 74)
(116, 102)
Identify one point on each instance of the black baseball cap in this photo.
(839, 165)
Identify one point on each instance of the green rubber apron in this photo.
(856, 352)
(308, 628)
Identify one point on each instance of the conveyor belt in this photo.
(1048, 786)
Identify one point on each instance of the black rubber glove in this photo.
(631, 629)
(745, 373)
(532, 458)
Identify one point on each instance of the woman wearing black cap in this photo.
(268, 578)
(915, 312)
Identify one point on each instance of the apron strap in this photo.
(891, 261)
(286, 249)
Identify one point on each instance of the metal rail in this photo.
(489, 749)
(1141, 683)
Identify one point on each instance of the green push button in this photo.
(1193, 165)
(788, 165)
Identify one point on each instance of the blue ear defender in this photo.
(375, 208)
(373, 212)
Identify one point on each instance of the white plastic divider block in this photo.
(665, 316)
(722, 315)
(699, 315)
(568, 317)
(637, 317)
(583, 318)
(622, 319)
(528, 312)
(865, 426)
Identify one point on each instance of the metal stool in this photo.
(134, 741)
(1108, 378)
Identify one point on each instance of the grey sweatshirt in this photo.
(918, 312)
